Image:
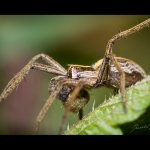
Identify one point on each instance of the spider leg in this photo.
(103, 71)
(104, 68)
(45, 107)
(65, 117)
(52, 97)
(125, 33)
(70, 102)
(78, 85)
(49, 60)
(47, 68)
(74, 94)
(17, 79)
(122, 81)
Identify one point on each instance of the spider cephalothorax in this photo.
(70, 86)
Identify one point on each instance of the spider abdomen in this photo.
(133, 73)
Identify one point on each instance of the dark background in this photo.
(69, 39)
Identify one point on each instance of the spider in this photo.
(70, 86)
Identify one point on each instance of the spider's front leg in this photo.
(104, 67)
(53, 68)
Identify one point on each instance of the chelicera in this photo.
(70, 86)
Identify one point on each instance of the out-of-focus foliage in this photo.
(69, 39)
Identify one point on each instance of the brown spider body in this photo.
(133, 73)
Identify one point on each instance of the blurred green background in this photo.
(69, 39)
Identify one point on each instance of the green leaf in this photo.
(109, 117)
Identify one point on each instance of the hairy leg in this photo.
(78, 84)
(70, 102)
(125, 33)
(17, 79)
(49, 60)
(46, 68)
(122, 81)
(103, 71)
(104, 67)
(74, 94)
(80, 114)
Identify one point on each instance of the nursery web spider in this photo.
(70, 85)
